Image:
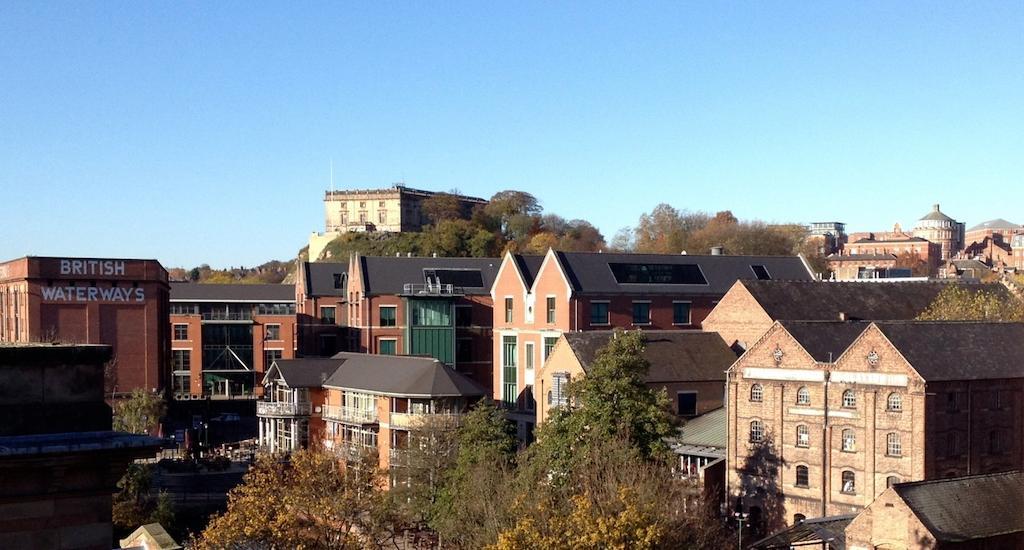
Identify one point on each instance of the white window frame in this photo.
(803, 436)
(893, 445)
(386, 339)
(632, 317)
(848, 444)
(689, 313)
(278, 325)
(380, 316)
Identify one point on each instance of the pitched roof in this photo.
(304, 373)
(830, 529)
(199, 292)
(959, 350)
(592, 272)
(966, 508)
(389, 275)
(400, 375)
(708, 430)
(877, 241)
(859, 257)
(998, 223)
(153, 536)
(674, 355)
(825, 300)
(528, 266)
(320, 278)
(936, 214)
(825, 341)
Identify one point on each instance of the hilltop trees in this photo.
(957, 303)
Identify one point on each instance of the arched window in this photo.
(756, 431)
(891, 480)
(803, 396)
(849, 485)
(892, 445)
(797, 518)
(849, 441)
(894, 403)
(803, 436)
(802, 477)
(756, 393)
(849, 399)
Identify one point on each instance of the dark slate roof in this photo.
(904, 240)
(320, 278)
(825, 300)
(824, 340)
(998, 223)
(674, 355)
(936, 214)
(830, 529)
(400, 375)
(304, 373)
(528, 267)
(959, 350)
(590, 273)
(195, 292)
(967, 508)
(389, 275)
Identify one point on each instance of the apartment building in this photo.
(120, 302)
(991, 242)
(824, 416)
(689, 365)
(321, 302)
(224, 336)
(539, 298)
(358, 404)
(424, 306)
(751, 307)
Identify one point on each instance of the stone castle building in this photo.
(395, 209)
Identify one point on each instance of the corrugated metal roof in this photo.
(707, 430)
(830, 530)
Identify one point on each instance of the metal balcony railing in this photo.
(283, 408)
(430, 289)
(350, 415)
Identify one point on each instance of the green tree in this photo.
(139, 413)
(962, 303)
(442, 206)
(134, 503)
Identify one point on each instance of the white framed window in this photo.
(756, 431)
(756, 393)
(849, 399)
(528, 352)
(892, 445)
(849, 484)
(849, 440)
(803, 396)
(681, 313)
(274, 332)
(803, 436)
(894, 403)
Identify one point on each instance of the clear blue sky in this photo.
(202, 132)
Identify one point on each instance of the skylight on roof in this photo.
(658, 274)
(464, 278)
(761, 273)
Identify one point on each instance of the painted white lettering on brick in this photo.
(92, 294)
(806, 411)
(92, 267)
(870, 378)
(803, 375)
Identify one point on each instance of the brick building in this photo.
(943, 230)
(538, 299)
(321, 302)
(868, 254)
(224, 336)
(992, 242)
(751, 307)
(395, 209)
(971, 512)
(689, 365)
(357, 404)
(824, 416)
(831, 236)
(119, 302)
(60, 461)
(434, 307)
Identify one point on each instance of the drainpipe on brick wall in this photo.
(970, 433)
(825, 466)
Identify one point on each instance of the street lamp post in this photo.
(740, 517)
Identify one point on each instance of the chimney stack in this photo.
(716, 250)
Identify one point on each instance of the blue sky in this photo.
(202, 132)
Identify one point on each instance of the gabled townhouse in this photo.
(536, 301)
(424, 306)
(225, 336)
(689, 365)
(750, 308)
(321, 303)
(357, 404)
(825, 415)
(289, 415)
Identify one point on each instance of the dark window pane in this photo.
(687, 404)
(670, 274)
(599, 313)
(761, 273)
(681, 313)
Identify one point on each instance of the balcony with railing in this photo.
(398, 457)
(414, 420)
(283, 408)
(350, 415)
(349, 450)
(431, 289)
